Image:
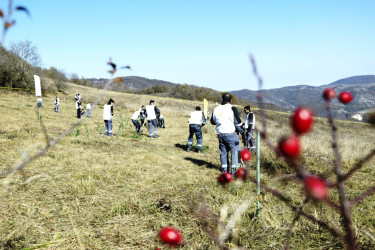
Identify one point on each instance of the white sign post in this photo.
(38, 92)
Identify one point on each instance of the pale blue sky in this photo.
(205, 43)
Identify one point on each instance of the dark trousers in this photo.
(197, 130)
(78, 113)
(137, 125)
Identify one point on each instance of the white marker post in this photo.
(38, 91)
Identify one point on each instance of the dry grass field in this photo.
(91, 191)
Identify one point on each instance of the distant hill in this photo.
(362, 87)
(354, 80)
(132, 82)
(142, 85)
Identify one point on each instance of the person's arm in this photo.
(203, 120)
(237, 118)
(212, 120)
(111, 110)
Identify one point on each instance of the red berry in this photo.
(345, 97)
(225, 178)
(241, 174)
(316, 187)
(170, 236)
(302, 120)
(329, 93)
(245, 154)
(290, 146)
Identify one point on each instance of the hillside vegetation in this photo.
(91, 191)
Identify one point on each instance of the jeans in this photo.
(137, 125)
(78, 113)
(108, 127)
(151, 124)
(229, 143)
(88, 112)
(57, 108)
(197, 130)
(249, 138)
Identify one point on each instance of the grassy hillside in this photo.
(96, 192)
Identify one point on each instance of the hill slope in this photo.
(91, 191)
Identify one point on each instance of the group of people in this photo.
(79, 109)
(154, 118)
(228, 127)
(225, 117)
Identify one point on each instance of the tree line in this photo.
(21, 62)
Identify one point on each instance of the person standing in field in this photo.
(78, 107)
(88, 109)
(152, 112)
(108, 116)
(57, 105)
(226, 117)
(138, 118)
(196, 122)
(249, 125)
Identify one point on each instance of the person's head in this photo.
(111, 102)
(227, 98)
(152, 102)
(197, 108)
(143, 106)
(246, 109)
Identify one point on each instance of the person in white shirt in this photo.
(57, 105)
(138, 118)
(196, 122)
(108, 116)
(152, 112)
(226, 118)
(88, 109)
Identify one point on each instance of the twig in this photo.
(288, 202)
(345, 205)
(359, 165)
(260, 97)
(360, 198)
(295, 219)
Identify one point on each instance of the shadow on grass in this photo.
(178, 145)
(202, 163)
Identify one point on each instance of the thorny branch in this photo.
(288, 202)
(345, 205)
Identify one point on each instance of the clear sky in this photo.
(204, 43)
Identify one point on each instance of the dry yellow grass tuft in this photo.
(96, 192)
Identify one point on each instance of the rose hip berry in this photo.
(170, 236)
(225, 178)
(329, 93)
(302, 120)
(245, 154)
(241, 174)
(345, 97)
(290, 146)
(316, 187)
